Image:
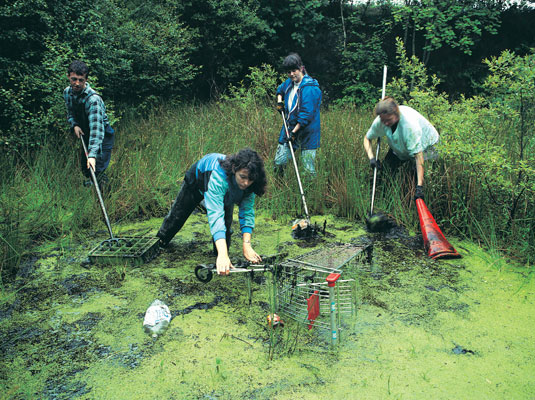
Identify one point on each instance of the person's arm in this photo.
(368, 147)
(307, 107)
(215, 209)
(376, 131)
(295, 131)
(281, 89)
(223, 263)
(70, 114)
(248, 251)
(95, 116)
(419, 158)
(246, 216)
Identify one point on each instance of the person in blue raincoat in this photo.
(299, 99)
(222, 181)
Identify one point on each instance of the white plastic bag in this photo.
(157, 318)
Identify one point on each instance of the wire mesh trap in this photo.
(311, 290)
(129, 249)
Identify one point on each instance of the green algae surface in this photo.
(456, 329)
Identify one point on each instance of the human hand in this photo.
(374, 163)
(280, 106)
(223, 264)
(91, 163)
(289, 137)
(78, 131)
(419, 192)
(250, 254)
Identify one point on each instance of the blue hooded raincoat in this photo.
(305, 110)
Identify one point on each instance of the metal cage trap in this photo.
(128, 249)
(311, 289)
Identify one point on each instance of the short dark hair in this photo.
(387, 106)
(291, 62)
(79, 68)
(250, 160)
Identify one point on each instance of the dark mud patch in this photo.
(183, 250)
(32, 297)
(60, 352)
(81, 285)
(25, 271)
(27, 268)
(19, 335)
(309, 243)
(410, 285)
(197, 306)
(177, 287)
(458, 350)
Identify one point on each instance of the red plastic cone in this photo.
(434, 241)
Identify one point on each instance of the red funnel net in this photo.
(434, 241)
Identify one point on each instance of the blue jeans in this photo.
(283, 155)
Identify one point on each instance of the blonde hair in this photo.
(387, 106)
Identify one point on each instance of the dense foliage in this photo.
(482, 188)
(144, 53)
(157, 62)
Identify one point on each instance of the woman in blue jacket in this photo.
(299, 97)
(221, 181)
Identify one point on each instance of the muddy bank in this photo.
(423, 329)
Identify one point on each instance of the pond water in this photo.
(422, 329)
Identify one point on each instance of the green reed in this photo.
(42, 196)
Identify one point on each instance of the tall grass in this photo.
(42, 197)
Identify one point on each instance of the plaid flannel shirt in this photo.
(92, 105)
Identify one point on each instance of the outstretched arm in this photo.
(248, 251)
(223, 263)
(368, 147)
(419, 157)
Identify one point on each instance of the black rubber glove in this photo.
(292, 137)
(286, 138)
(419, 192)
(280, 106)
(375, 163)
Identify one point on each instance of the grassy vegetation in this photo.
(41, 195)
(481, 188)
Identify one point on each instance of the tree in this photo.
(231, 36)
(453, 23)
(136, 54)
(511, 89)
(362, 53)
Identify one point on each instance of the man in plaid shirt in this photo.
(86, 114)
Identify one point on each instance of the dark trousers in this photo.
(391, 163)
(103, 158)
(187, 199)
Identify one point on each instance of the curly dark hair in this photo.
(250, 160)
(79, 68)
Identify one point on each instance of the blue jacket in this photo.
(220, 190)
(306, 112)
